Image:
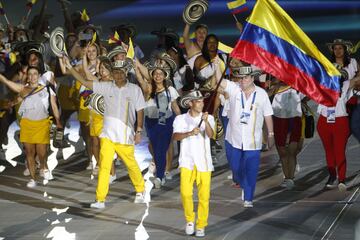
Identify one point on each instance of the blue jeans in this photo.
(160, 138)
(245, 167)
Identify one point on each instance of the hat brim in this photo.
(113, 53)
(190, 16)
(167, 72)
(130, 28)
(348, 45)
(185, 100)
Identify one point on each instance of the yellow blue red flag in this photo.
(272, 41)
(237, 6)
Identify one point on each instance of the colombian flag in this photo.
(272, 41)
(237, 6)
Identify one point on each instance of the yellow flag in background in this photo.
(130, 52)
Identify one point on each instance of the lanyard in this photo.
(157, 100)
(252, 102)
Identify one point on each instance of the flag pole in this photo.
(213, 94)
(234, 15)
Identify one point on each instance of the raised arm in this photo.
(190, 47)
(144, 85)
(77, 75)
(16, 87)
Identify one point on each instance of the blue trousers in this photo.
(355, 122)
(245, 167)
(160, 138)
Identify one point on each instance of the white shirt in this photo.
(35, 107)
(340, 108)
(121, 105)
(152, 111)
(287, 104)
(46, 77)
(179, 78)
(225, 103)
(352, 68)
(194, 150)
(246, 136)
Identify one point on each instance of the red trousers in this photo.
(334, 137)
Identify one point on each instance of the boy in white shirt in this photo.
(195, 160)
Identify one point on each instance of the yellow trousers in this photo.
(127, 154)
(203, 180)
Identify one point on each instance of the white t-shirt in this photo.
(340, 108)
(246, 136)
(164, 100)
(287, 104)
(35, 107)
(194, 150)
(46, 78)
(121, 105)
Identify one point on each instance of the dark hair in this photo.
(205, 50)
(346, 57)
(41, 64)
(153, 85)
(180, 53)
(106, 62)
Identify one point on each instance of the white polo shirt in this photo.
(194, 150)
(246, 136)
(121, 105)
(340, 108)
(287, 104)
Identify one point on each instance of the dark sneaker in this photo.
(331, 183)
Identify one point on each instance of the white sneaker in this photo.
(290, 184)
(139, 198)
(230, 177)
(157, 182)
(342, 187)
(26, 172)
(248, 204)
(112, 179)
(41, 172)
(90, 166)
(200, 233)
(95, 171)
(284, 183)
(152, 168)
(47, 175)
(98, 205)
(168, 176)
(189, 229)
(31, 183)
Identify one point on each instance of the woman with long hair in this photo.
(159, 115)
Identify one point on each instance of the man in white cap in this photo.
(249, 105)
(122, 100)
(195, 160)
